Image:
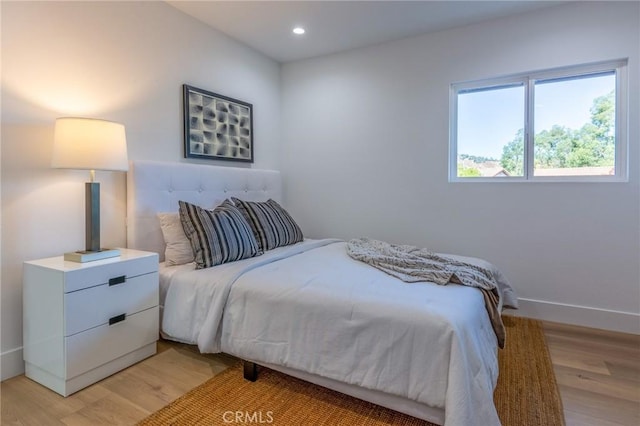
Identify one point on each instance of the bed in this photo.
(310, 311)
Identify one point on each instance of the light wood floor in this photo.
(598, 374)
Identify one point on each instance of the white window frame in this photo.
(528, 80)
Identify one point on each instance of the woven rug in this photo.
(526, 394)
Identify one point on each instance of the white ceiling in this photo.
(334, 26)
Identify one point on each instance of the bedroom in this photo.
(558, 243)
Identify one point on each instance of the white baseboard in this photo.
(11, 363)
(625, 322)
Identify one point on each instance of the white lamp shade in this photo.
(89, 144)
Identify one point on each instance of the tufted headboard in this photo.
(156, 187)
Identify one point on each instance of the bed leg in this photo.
(250, 370)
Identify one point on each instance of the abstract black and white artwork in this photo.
(216, 127)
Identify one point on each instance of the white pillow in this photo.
(178, 249)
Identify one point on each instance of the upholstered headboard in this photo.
(156, 187)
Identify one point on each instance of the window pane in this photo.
(490, 135)
(575, 126)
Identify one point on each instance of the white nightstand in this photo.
(84, 321)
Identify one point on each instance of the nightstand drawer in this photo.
(101, 271)
(91, 307)
(100, 345)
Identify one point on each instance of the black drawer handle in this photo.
(117, 319)
(117, 280)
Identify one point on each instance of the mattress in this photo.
(310, 308)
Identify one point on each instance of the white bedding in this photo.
(166, 273)
(311, 308)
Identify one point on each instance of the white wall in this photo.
(365, 154)
(121, 61)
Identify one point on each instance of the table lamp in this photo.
(90, 144)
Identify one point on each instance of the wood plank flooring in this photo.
(598, 374)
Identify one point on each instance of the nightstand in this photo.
(85, 321)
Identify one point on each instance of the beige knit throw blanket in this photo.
(412, 264)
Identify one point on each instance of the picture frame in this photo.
(216, 127)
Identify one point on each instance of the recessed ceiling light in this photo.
(298, 30)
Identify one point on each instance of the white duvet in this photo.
(312, 308)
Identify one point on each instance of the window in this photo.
(557, 125)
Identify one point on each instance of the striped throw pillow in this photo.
(217, 236)
(271, 224)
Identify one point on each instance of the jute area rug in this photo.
(526, 394)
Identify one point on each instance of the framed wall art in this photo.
(216, 127)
